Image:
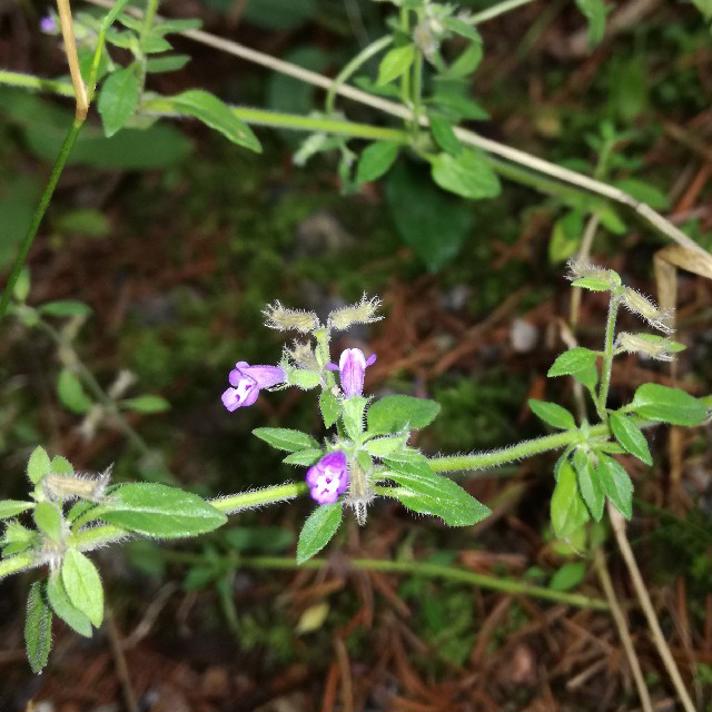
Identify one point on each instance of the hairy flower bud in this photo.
(363, 312)
(580, 269)
(283, 319)
(77, 486)
(639, 304)
(651, 345)
(302, 355)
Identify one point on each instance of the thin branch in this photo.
(599, 562)
(496, 10)
(618, 524)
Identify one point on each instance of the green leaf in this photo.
(21, 289)
(705, 7)
(169, 63)
(668, 405)
(318, 530)
(118, 98)
(391, 414)
(453, 99)
(595, 12)
(352, 416)
(303, 457)
(61, 466)
(330, 408)
(594, 284)
(468, 175)
(383, 447)
(589, 484)
(466, 63)
(38, 465)
(376, 160)
(157, 510)
(434, 224)
(146, 404)
(426, 492)
(83, 586)
(462, 28)
(630, 436)
(566, 236)
(617, 485)
(71, 393)
(12, 507)
(642, 190)
(65, 307)
(444, 135)
(38, 628)
(568, 510)
(568, 576)
(580, 363)
(176, 25)
(552, 414)
(48, 519)
(304, 378)
(64, 608)
(286, 439)
(213, 112)
(395, 63)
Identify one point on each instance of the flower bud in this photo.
(77, 486)
(651, 345)
(363, 312)
(580, 269)
(352, 371)
(639, 304)
(283, 319)
(302, 355)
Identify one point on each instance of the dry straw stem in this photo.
(599, 562)
(70, 48)
(618, 524)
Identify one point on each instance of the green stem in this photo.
(413, 568)
(234, 503)
(405, 78)
(496, 10)
(106, 23)
(148, 19)
(417, 89)
(358, 61)
(608, 354)
(30, 81)
(39, 213)
(520, 451)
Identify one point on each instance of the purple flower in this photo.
(246, 382)
(329, 478)
(352, 370)
(48, 25)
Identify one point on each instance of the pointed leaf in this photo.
(38, 628)
(617, 485)
(568, 510)
(157, 510)
(552, 414)
(318, 530)
(83, 585)
(467, 175)
(630, 436)
(580, 363)
(64, 608)
(589, 484)
(668, 405)
(12, 507)
(118, 99)
(376, 160)
(286, 439)
(395, 63)
(38, 465)
(391, 414)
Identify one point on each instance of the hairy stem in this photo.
(608, 354)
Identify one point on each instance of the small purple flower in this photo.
(329, 478)
(48, 25)
(246, 382)
(352, 370)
